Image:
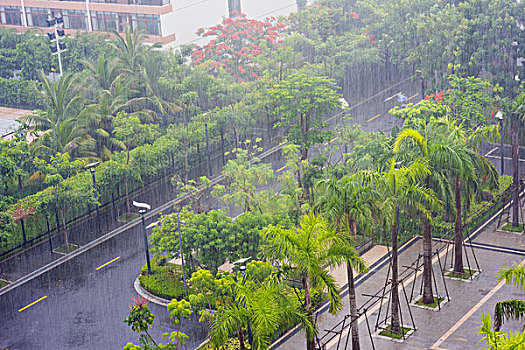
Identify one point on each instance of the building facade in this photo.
(170, 22)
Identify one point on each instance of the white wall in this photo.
(190, 15)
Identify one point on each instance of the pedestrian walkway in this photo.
(456, 325)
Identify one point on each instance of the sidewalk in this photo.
(457, 322)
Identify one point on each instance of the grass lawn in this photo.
(388, 333)
(4, 283)
(127, 217)
(508, 227)
(465, 275)
(437, 300)
(62, 249)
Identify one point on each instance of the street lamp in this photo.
(499, 115)
(57, 46)
(182, 256)
(242, 268)
(143, 207)
(91, 168)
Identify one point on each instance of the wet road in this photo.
(84, 308)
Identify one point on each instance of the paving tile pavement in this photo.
(431, 325)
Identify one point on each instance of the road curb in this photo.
(148, 296)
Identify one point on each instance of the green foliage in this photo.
(302, 101)
(210, 239)
(165, 281)
(140, 318)
(19, 93)
(244, 175)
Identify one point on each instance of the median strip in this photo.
(33, 303)
(109, 262)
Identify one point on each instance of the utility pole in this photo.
(57, 46)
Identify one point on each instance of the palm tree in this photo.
(60, 129)
(516, 113)
(263, 307)
(104, 73)
(348, 204)
(98, 118)
(131, 49)
(307, 249)
(436, 152)
(467, 168)
(402, 189)
(515, 308)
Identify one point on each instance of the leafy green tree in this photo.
(302, 101)
(141, 319)
(243, 175)
(129, 133)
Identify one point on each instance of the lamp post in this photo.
(499, 115)
(91, 168)
(182, 256)
(143, 207)
(57, 46)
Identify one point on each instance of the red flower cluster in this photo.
(436, 97)
(237, 41)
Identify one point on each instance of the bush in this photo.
(165, 281)
(19, 93)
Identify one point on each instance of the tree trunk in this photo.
(310, 343)
(241, 339)
(428, 296)
(458, 231)
(186, 170)
(304, 150)
(66, 240)
(395, 324)
(515, 171)
(353, 307)
(127, 196)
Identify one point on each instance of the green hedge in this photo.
(19, 93)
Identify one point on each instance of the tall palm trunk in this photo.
(351, 297)
(458, 231)
(428, 296)
(395, 324)
(353, 307)
(127, 195)
(310, 342)
(515, 171)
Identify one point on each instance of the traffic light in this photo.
(53, 48)
(51, 36)
(59, 20)
(61, 32)
(50, 22)
(62, 46)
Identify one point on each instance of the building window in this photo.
(151, 23)
(11, 15)
(134, 2)
(74, 19)
(104, 21)
(37, 16)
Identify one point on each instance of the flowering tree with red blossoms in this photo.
(237, 41)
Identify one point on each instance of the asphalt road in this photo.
(84, 308)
